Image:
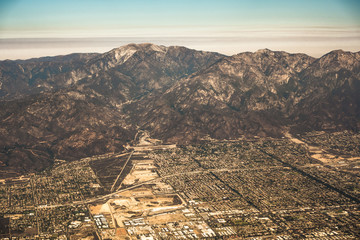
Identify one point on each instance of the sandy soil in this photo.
(141, 202)
(165, 218)
(295, 140)
(139, 176)
(317, 152)
(121, 233)
(95, 209)
(327, 158)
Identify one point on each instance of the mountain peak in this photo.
(265, 50)
(337, 52)
(340, 59)
(122, 54)
(144, 47)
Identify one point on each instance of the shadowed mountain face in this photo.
(73, 106)
(62, 125)
(327, 93)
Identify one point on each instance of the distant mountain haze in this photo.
(73, 106)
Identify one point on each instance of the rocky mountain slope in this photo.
(261, 93)
(62, 125)
(145, 66)
(326, 95)
(79, 105)
(69, 107)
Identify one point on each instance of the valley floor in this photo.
(299, 187)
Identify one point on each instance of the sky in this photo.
(34, 28)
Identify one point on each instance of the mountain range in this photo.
(78, 105)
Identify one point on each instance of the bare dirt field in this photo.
(141, 172)
(168, 217)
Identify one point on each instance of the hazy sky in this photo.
(33, 28)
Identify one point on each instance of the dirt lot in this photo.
(165, 218)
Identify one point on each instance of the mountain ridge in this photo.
(73, 106)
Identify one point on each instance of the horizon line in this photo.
(143, 43)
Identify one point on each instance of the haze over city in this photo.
(47, 28)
